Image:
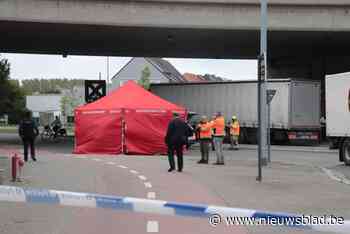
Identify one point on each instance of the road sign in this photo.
(94, 90)
(261, 67)
(270, 93)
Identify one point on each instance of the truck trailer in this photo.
(338, 113)
(295, 108)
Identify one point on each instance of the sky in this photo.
(28, 66)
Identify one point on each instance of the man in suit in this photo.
(175, 139)
(28, 131)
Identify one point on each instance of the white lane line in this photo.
(336, 176)
(141, 177)
(121, 166)
(97, 159)
(151, 195)
(110, 163)
(134, 172)
(148, 185)
(152, 226)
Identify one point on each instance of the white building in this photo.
(44, 107)
(47, 106)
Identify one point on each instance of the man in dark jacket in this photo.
(175, 139)
(28, 131)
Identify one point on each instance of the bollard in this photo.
(16, 168)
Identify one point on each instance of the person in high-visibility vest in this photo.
(212, 136)
(219, 133)
(234, 133)
(205, 136)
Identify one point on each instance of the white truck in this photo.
(338, 113)
(295, 109)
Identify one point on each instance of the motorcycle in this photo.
(48, 134)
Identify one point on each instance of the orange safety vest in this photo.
(235, 129)
(219, 125)
(205, 131)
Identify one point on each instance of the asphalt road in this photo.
(293, 182)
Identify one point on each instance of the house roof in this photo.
(163, 66)
(189, 77)
(166, 69)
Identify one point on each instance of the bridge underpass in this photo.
(307, 39)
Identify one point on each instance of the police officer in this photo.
(175, 139)
(28, 131)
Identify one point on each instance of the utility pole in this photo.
(262, 76)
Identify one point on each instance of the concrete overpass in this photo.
(175, 28)
(307, 38)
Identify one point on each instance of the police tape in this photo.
(90, 200)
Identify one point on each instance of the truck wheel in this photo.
(346, 151)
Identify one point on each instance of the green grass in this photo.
(14, 129)
(8, 129)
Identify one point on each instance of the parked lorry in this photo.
(338, 113)
(295, 109)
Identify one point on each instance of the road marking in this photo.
(148, 185)
(97, 159)
(142, 177)
(152, 226)
(110, 163)
(151, 195)
(134, 172)
(336, 176)
(121, 166)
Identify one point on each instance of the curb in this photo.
(287, 149)
(295, 150)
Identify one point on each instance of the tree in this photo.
(49, 86)
(12, 100)
(69, 102)
(145, 81)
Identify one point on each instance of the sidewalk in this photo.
(313, 149)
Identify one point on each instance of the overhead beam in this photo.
(234, 15)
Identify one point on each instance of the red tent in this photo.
(129, 120)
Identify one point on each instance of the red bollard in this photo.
(17, 164)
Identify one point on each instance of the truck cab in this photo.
(338, 113)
